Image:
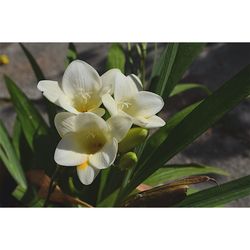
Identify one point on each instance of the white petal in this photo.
(98, 111)
(51, 90)
(88, 120)
(137, 81)
(69, 151)
(145, 104)
(65, 123)
(108, 81)
(80, 77)
(66, 104)
(106, 156)
(151, 122)
(124, 87)
(87, 175)
(109, 104)
(119, 126)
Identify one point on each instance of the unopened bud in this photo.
(135, 137)
(4, 60)
(128, 160)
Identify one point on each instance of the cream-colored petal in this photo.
(144, 104)
(87, 175)
(119, 126)
(109, 104)
(125, 88)
(137, 81)
(98, 111)
(50, 89)
(69, 151)
(154, 122)
(90, 121)
(106, 156)
(108, 81)
(65, 123)
(80, 77)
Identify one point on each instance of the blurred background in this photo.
(226, 145)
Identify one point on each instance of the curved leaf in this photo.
(182, 87)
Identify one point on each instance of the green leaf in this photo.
(219, 195)
(37, 70)
(182, 87)
(116, 57)
(9, 157)
(172, 65)
(155, 140)
(174, 172)
(51, 108)
(30, 119)
(71, 54)
(16, 137)
(193, 125)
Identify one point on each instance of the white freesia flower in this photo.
(130, 100)
(89, 142)
(81, 89)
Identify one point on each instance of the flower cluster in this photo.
(88, 141)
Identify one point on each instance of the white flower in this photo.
(81, 89)
(89, 142)
(130, 100)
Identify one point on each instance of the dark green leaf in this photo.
(116, 57)
(176, 59)
(174, 172)
(193, 125)
(71, 54)
(219, 195)
(9, 157)
(16, 137)
(182, 87)
(37, 70)
(30, 119)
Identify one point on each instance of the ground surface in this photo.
(226, 145)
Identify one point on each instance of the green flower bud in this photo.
(128, 160)
(135, 137)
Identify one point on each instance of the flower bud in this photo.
(4, 60)
(134, 137)
(128, 160)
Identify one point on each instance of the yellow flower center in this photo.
(83, 166)
(81, 100)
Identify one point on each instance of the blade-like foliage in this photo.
(116, 57)
(71, 54)
(10, 158)
(219, 195)
(30, 119)
(172, 65)
(174, 172)
(182, 87)
(194, 124)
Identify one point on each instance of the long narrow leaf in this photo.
(194, 124)
(173, 172)
(176, 59)
(30, 119)
(219, 195)
(116, 57)
(182, 87)
(9, 157)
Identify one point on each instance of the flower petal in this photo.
(125, 87)
(119, 126)
(50, 89)
(98, 111)
(69, 151)
(109, 104)
(88, 120)
(137, 81)
(106, 156)
(87, 175)
(108, 81)
(65, 123)
(80, 77)
(151, 122)
(145, 104)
